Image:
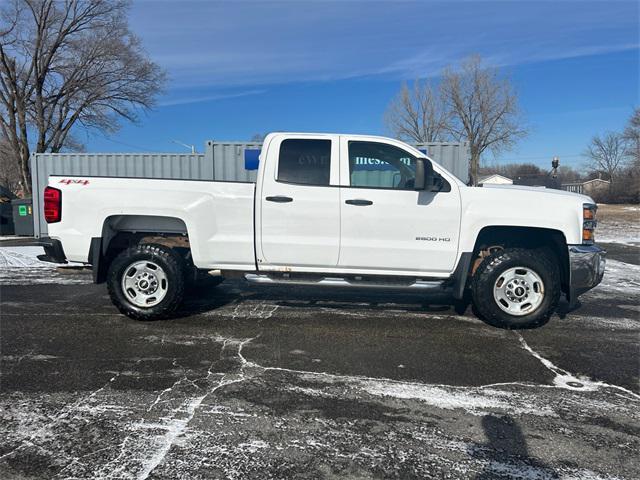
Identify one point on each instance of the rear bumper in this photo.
(53, 251)
(586, 268)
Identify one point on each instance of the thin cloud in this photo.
(207, 98)
(220, 44)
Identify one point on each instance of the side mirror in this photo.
(438, 183)
(424, 174)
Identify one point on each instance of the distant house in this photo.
(589, 187)
(495, 179)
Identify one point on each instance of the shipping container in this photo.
(222, 161)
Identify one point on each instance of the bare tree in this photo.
(606, 154)
(67, 64)
(9, 172)
(417, 114)
(483, 109)
(568, 175)
(631, 136)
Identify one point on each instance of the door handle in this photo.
(359, 202)
(279, 199)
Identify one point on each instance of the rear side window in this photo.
(307, 162)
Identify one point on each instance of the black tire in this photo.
(173, 267)
(490, 270)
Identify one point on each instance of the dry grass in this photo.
(619, 213)
(618, 224)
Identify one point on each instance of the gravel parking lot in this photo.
(280, 383)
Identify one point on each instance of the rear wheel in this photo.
(516, 288)
(146, 281)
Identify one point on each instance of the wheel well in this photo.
(144, 224)
(548, 239)
(120, 232)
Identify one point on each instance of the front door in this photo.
(299, 204)
(386, 226)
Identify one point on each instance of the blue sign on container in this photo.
(251, 159)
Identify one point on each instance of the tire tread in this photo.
(482, 288)
(176, 268)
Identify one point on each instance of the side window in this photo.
(379, 165)
(307, 162)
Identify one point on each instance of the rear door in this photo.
(386, 226)
(299, 204)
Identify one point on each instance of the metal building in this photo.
(222, 161)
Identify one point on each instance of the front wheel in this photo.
(146, 282)
(516, 288)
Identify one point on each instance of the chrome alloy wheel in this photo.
(144, 283)
(518, 291)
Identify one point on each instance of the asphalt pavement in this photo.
(276, 382)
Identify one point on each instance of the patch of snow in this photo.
(247, 310)
(618, 232)
(174, 429)
(20, 266)
(312, 392)
(21, 257)
(178, 424)
(475, 401)
(586, 475)
(564, 379)
(226, 411)
(621, 277)
(298, 352)
(36, 358)
(519, 471)
(253, 445)
(523, 471)
(632, 324)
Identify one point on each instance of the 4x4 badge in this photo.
(77, 181)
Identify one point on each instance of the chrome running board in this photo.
(360, 282)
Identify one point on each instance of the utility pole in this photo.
(555, 163)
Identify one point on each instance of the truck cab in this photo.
(332, 210)
(350, 205)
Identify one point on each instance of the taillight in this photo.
(52, 205)
(588, 223)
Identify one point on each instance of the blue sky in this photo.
(239, 68)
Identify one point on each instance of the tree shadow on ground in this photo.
(506, 453)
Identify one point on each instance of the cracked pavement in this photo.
(278, 382)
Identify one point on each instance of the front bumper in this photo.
(586, 268)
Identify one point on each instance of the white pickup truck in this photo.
(331, 210)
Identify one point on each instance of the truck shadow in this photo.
(203, 298)
(506, 451)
